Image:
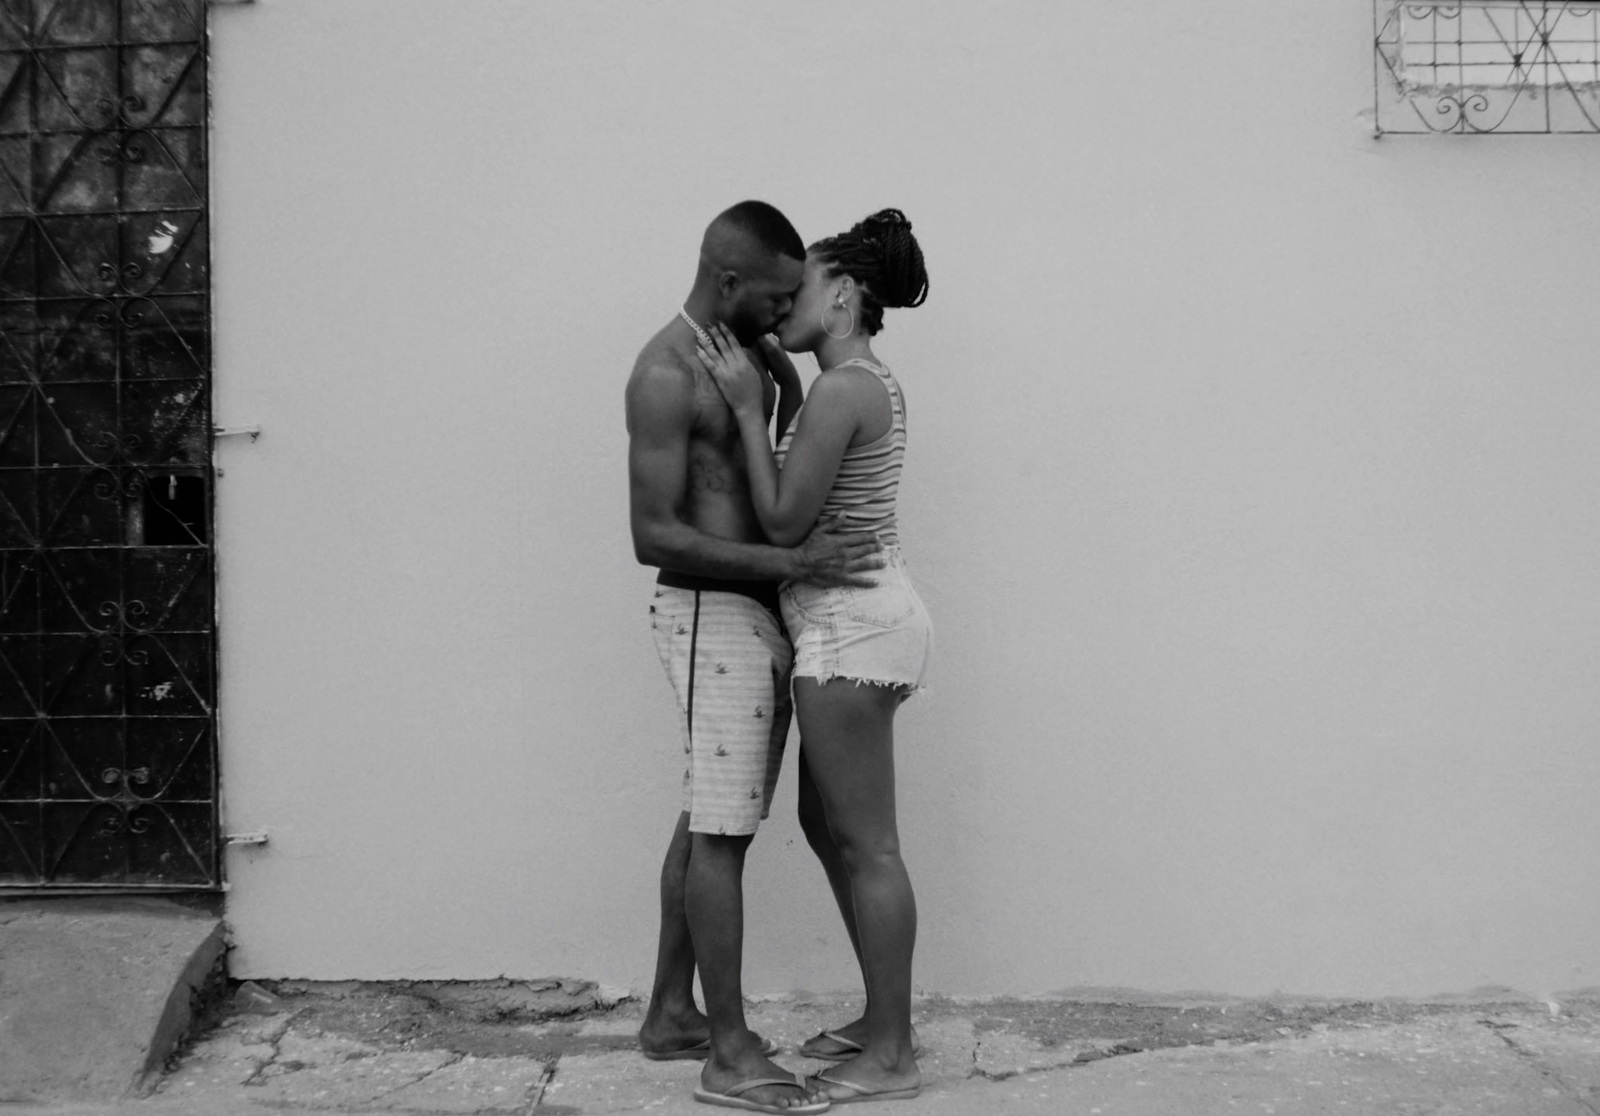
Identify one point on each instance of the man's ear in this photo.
(727, 283)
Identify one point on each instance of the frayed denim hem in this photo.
(907, 690)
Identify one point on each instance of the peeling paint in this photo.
(161, 242)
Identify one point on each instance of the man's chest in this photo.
(714, 423)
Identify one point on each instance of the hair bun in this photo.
(890, 218)
(902, 279)
(883, 256)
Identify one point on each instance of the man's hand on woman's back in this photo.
(833, 555)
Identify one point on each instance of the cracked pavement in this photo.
(562, 1048)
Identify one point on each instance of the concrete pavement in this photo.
(564, 1048)
(95, 993)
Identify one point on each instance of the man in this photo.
(716, 625)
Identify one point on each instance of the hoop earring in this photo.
(846, 333)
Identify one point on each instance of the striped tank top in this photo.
(868, 481)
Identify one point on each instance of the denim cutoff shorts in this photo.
(880, 634)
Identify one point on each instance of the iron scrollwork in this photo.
(107, 624)
(1508, 67)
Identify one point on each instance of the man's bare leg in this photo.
(673, 1021)
(715, 904)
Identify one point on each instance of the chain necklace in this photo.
(705, 338)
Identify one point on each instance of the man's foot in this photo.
(846, 1042)
(754, 1083)
(861, 1079)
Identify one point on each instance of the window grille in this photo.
(1487, 66)
(107, 629)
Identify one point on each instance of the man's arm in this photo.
(661, 410)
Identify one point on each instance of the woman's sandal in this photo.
(847, 1048)
(701, 1051)
(734, 1097)
(860, 1093)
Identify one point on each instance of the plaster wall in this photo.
(1252, 487)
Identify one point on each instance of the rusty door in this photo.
(107, 626)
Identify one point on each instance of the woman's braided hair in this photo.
(884, 259)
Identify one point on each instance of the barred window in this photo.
(1487, 66)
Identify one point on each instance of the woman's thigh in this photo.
(847, 734)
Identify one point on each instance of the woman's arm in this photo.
(790, 393)
(787, 502)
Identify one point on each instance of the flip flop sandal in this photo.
(849, 1048)
(859, 1093)
(700, 1051)
(734, 1097)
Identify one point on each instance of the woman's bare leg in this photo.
(847, 733)
(814, 824)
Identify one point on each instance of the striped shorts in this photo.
(727, 657)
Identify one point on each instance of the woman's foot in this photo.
(865, 1078)
(722, 1078)
(684, 1038)
(846, 1042)
(666, 1033)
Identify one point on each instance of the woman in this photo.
(858, 652)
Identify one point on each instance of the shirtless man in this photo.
(716, 626)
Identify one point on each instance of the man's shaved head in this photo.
(751, 264)
(748, 229)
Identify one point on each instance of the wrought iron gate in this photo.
(107, 625)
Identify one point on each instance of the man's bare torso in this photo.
(716, 490)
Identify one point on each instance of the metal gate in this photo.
(107, 626)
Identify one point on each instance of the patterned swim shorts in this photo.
(727, 657)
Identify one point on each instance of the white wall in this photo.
(1252, 485)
